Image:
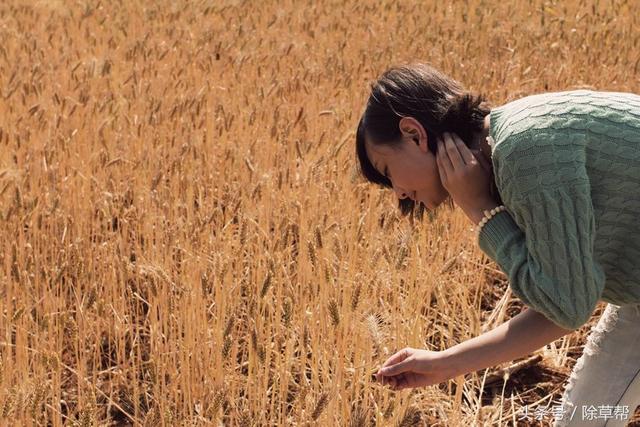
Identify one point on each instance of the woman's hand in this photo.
(467, 177)
(411, 367)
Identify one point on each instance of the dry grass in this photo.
(184, 240)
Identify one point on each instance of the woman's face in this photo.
(410, 166)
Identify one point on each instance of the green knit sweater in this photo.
(567, 166)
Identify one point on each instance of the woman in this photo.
(552, 181)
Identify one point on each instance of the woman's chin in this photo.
(446, 202)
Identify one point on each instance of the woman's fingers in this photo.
(390, 381)
(452, 150)
(464, 152)
(397, 363)
(399, 356)
(406, 381)
(398, 368)
(401, 382)
(442, 162)
(395, 383)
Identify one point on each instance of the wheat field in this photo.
(186, 240)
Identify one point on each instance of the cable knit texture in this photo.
(567, 166)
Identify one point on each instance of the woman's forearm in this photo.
(518, 337)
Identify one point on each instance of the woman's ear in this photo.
(423, 143)
(411, 128)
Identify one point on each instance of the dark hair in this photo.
(420, 91)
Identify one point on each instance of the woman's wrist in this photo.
(476, 214)
(451, 363)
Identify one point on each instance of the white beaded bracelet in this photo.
(490, 214)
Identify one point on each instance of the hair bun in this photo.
(462, 107)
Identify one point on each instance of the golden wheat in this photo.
(186, 239)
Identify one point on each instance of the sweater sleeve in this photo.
(544, 241)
